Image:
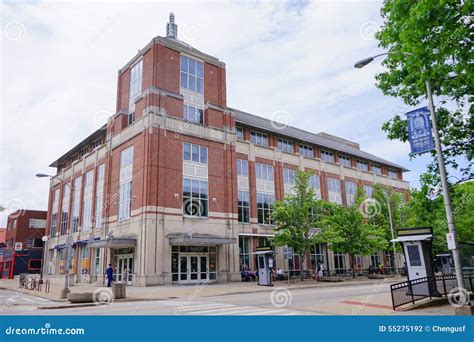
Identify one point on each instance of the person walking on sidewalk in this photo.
(110, 275)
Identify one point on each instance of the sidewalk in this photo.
(164, 292)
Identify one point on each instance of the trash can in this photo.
(119, 290)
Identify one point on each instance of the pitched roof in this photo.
(320, 139)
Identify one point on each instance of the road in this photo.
(334, 300)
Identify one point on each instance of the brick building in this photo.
(178, 188)
(24, 245)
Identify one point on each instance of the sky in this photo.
(287, 61)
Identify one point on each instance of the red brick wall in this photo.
(23, 232)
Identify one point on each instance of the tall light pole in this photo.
(45, 240)
(442, 168)
(65, 290)
(395, 261)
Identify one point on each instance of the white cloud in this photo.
(60, 76)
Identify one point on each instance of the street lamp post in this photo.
(45, 240)
(395, 261)
(442, 168)
(65, 290)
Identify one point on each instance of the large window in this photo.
(340, 266)
(392, 173)
(344, 160)
(242, 167)
(368, 190)
(376, 169)
(264, 171)
(195, 153)
(327, 156)
(240, 133)
(54, 213)
(351, 190)
(65, 209)
(195, 197)
(315, 183)
(258, 138)
(244, 206)
(289, 176)
(136, 80)
(135, 89)
(125, 204)
(334, 190)
(244, 253)
(362, 165)
(285, 145)
(36, 223)
(306, 151)
(193, 114)
(318, 256)
(87, 202)
(125, 183)
(192, 73)
(99, 195)
(76, 200)
(265, 208)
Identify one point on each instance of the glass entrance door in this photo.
(193, 268)
(124, 268)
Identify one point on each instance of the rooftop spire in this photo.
(171, 28)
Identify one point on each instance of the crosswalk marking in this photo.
(213, 309)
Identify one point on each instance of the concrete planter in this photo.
(119, 290)
(86, 297)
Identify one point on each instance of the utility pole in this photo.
(445, 188)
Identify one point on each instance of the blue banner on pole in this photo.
(419, 130)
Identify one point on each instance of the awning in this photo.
(186, 239)
(263, 252)
(61, 246)
(84, 241)
(413, 238)
(113, 243)
(255, 234)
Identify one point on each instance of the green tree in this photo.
(426, 209)
(349, 230)
(437, 35)
(295, 218)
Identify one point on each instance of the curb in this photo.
(263, 290)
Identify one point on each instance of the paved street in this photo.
(338, 300)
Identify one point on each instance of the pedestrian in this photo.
(110, 275)
(322, 270)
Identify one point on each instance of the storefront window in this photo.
(244, 253)
(340, 263)
(318, 256)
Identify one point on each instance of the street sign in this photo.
(18, 246)
(451, 242)
(419, 130)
